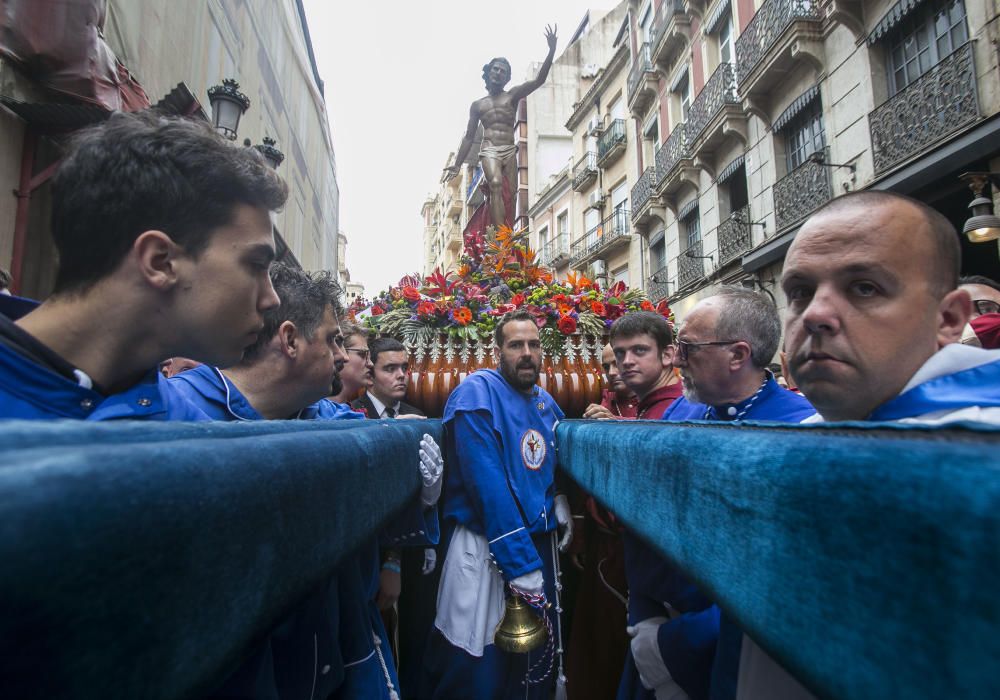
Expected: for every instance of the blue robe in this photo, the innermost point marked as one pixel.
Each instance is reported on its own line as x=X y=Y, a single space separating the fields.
x=31 y=391
x=328 y=647
x=700 y=647
x=500 y=452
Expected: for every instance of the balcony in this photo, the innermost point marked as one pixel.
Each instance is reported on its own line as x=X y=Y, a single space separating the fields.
x=602 y=239
x=556 y=251
x=642 y=82
x=801 y=192
x=716 y=113
x=939 y=103
x=611 y=144
x=453 y=237
x=782 y=33
x=690 y=270
x=642 y=196
x=453 y=204
x=657 y=287
x=734 y=236
x=671 y=157
x=671 y=32
x=585 y=171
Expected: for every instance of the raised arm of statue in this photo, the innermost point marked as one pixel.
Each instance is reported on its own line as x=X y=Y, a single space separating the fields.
x=463 y=150
x=525 y=89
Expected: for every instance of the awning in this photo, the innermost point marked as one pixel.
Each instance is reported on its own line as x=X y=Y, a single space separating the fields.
x=893 y=17
x=800 y=103
x=717 y=14
x=687 y=209
x=54 y=115
x=730 y=170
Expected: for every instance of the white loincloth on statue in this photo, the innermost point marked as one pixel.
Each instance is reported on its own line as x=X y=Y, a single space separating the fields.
x=470 y=601
x=500 y=153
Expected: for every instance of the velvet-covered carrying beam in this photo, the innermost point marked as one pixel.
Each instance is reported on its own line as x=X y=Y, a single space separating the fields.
x=867 y=561
x=143 y=560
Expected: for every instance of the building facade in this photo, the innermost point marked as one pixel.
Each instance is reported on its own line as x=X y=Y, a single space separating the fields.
x=353 y=289
x=174 y=57
x=753 y=114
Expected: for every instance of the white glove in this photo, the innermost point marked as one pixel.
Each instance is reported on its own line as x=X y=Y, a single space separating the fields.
x=565 y=520
x=646 y=653
x=430 y=561
x=431 y=467
x=531 y=582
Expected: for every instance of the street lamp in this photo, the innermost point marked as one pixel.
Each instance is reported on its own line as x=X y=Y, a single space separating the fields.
x=983 y=225
x=228 y=105
x=270 y=152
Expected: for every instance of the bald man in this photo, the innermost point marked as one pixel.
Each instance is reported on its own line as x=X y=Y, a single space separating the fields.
x=871 y=329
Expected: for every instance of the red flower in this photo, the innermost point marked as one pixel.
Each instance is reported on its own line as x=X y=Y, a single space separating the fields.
x=426 y=308
x=559 y=298
x=411 y=294
x=617 y=289
x=598 y=308
x=517 y=300
x=566 y=324
x=647 y=305
x=462 y=315
x=664 y=309
x=377 y=311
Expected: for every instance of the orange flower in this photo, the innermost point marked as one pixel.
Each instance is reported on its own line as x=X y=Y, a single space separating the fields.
x=564 y=309
x=598 y=308
x=426 y=308
x=647 y=306
x=411 y=294
x=462 y=315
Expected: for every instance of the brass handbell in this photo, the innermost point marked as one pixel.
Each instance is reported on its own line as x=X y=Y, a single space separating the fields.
x=520 y=629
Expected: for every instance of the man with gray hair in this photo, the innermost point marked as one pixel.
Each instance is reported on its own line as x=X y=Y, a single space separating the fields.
x=724 y=346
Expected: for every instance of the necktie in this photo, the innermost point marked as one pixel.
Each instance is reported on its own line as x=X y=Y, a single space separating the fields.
x=390 y=412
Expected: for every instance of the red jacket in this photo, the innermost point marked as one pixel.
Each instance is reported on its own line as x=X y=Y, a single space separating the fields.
x=656 y=403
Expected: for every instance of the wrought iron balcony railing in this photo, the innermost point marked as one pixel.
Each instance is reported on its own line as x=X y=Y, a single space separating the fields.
x=640 y=66
x=611 y=144
x=642 y=191
x=801 y=192
x=585 y=170
x=719 y=91
x=608 y=233
x=673 y=150
x=934 y=106
x=734 y=235
x=657 y=287
x=766 y=27
x=665 y=14
x=556 y=250
x=690 y=269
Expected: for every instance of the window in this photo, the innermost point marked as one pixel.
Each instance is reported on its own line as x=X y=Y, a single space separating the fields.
x=804 y=135
x=620 y=275
x=923 y=39
x=543 y=237
x=591 y=218
x=562 y=226
x=658 y=255
x=691 y=229
x=646 y=23
x=726 y=48
x=683 y=92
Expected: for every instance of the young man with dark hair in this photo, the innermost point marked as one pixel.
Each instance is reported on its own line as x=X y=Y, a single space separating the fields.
x=642 y=342
x=164 y=237
x=286 y=375
x=390 y=369
x=353 y=376
x=500 y=509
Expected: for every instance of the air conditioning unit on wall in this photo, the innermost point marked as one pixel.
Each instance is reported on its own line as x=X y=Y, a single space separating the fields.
x=595 y=126
x=595 y=199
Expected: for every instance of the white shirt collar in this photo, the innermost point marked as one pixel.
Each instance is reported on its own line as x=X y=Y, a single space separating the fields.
x=379 y=406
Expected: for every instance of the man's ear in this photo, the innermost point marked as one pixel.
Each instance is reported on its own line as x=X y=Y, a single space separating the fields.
x=288 y=336
x=953 y=313
x=156 y=255
x=741 y=355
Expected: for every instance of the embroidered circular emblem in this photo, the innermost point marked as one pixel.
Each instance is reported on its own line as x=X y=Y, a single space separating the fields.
x=533 y=449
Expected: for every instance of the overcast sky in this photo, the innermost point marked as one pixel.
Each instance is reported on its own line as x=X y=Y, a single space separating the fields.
x=400 y=77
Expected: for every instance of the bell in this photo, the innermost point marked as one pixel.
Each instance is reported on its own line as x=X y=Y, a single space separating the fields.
x=520 y=630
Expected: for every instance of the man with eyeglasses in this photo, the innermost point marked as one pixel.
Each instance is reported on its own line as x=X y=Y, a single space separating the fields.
x=353 y=377
x=681 y=645
x=335 y=640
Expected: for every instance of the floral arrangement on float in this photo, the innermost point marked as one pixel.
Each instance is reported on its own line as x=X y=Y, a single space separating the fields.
x=499 y=273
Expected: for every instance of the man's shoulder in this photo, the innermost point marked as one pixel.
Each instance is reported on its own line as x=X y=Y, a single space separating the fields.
x=682 y=409
x=365 y=406
x=410 y=409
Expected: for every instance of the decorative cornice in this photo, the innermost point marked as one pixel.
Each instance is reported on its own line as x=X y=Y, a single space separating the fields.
x=607 y=74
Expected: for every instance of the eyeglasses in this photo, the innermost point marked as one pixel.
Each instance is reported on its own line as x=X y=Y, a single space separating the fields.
x=684 y=347
x=985 y=306
x=362 y=352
